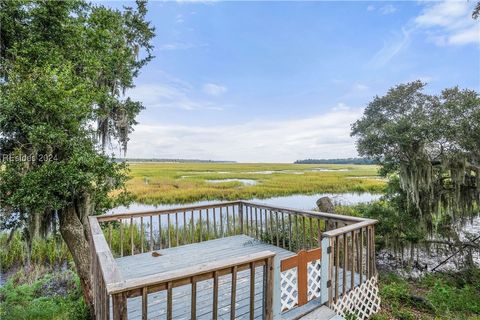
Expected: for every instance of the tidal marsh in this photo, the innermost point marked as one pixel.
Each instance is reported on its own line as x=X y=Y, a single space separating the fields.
x=166 y=183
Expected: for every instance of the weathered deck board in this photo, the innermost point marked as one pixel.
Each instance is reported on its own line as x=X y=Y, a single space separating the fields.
x=183 y=256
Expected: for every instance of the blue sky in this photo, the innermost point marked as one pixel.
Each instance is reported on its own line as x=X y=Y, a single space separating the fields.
x=280 y=81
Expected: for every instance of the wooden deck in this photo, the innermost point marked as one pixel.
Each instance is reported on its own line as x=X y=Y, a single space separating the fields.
x=191 y=278
x=141 y=265
x=323 y=313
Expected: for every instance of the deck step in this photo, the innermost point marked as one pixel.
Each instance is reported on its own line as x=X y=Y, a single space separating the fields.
x=322 y=313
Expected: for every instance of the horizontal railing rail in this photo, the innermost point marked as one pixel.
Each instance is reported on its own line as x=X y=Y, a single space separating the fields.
x=146 y=213
x=308 y=213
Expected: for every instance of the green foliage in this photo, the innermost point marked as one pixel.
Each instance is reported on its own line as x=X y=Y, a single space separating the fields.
x=439 y=296
x=476 y=11
x=398 y=226
x=449 y=292
x=65 y=69
x=65 y=66
x=350 y=316
x=53 y=296
x=431 y=141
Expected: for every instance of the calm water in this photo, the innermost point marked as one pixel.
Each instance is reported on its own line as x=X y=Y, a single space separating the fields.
x=303 y=202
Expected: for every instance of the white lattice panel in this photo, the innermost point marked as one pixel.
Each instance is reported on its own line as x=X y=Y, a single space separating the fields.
x=363 y=301
x=288 y=283
x=314 y=271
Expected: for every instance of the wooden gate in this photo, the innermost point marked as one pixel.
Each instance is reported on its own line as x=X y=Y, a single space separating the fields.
x=300 y=278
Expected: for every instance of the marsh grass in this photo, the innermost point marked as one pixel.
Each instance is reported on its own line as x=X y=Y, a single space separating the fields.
x=49 y=251
x=156 y=183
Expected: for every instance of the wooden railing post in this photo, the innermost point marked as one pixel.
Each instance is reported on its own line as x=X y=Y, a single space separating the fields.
x=374 y=258
x=269 y=289
x=119 y=306
x=330 y=271
x=277 y=289
x=240 y=216
x=325 y=278
x=302 y=278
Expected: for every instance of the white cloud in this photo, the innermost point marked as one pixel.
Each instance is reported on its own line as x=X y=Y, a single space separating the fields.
x=443 y=14
x=465 y=36
x=388 y=9
x=360 y=87
x=178 y=46
x=443 y=23
x=449 y=23
x=175 y=95
x=213 y=89
x=341 y=107
x=391 y=48
x=179 y=18
x=322 y=136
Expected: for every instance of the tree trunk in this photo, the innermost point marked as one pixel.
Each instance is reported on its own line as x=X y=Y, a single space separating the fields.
x=76 y=238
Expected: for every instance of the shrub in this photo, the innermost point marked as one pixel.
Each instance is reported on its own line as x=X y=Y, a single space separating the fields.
x=53 y=296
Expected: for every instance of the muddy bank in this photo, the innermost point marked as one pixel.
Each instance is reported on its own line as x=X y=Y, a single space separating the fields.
x=435 y=257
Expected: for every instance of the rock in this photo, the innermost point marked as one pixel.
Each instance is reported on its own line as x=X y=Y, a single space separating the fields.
x=325 y=204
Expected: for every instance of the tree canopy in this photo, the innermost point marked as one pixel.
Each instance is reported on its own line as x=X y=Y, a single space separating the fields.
x=431 y=141
x=65 y=67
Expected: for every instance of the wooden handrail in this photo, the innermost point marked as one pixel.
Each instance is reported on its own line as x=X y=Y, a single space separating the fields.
x=111 y=273
x=187 y=273
x=138 y=214
x=349 y=228
x=306 y=213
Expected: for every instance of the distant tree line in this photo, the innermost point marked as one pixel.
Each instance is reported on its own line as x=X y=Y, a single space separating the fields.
x=170 y=160
x=337 y=161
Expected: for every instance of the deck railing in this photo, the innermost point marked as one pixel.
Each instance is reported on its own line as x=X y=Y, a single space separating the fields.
x=191 y=276
x=345 y=246
x=351 y=257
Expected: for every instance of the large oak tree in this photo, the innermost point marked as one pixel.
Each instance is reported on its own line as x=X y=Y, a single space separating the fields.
x=432 y=142
x=65 y=66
